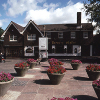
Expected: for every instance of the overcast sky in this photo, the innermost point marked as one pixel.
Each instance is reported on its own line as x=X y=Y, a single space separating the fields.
x=40 y=11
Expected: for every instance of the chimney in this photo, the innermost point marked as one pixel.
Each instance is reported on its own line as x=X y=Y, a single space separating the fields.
x=78 y=18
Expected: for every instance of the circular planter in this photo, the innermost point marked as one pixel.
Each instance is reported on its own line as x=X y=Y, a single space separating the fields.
x=20 y=71
x=97 y=91
x=75 y=66
x=55 y=78
x=93 y=75
x=4 y=86
x=32 y=64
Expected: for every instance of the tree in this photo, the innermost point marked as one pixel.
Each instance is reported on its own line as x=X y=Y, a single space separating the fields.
x=1 y=31
x=93 y=10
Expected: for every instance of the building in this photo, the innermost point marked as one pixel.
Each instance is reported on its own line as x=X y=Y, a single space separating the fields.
x=63 y=39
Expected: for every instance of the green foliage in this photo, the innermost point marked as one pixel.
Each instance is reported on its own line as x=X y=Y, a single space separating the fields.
x=93 y=10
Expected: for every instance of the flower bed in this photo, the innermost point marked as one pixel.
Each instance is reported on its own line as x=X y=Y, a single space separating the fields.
x=56 y=69
x=4 y=77
x=31 y=60
x=93 y=67
x=22 y=65
x=76 y=61
x=52 y=60
x=96 y=83
x=54 y=63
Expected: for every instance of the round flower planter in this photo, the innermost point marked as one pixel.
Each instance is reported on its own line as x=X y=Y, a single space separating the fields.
x=32 y=64
x=4 y=86
x=97 y=91
x=75 y=66
x=55 y=78
x=20 y=71
x=93 y=75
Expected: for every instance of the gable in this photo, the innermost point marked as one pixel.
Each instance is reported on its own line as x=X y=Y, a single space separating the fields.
x=31 y=26
x=9 y=28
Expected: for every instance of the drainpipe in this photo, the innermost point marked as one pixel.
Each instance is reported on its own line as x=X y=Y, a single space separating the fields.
x=44 y=30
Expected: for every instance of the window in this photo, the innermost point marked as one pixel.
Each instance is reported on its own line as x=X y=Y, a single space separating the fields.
x=49 y=35
x=73 y=35
x=85 y=35
x=13 y=38
x=31 y=37
x=60 y=35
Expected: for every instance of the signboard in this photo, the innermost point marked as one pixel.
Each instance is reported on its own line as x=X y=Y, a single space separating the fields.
x=43 y=43
x=29 y=51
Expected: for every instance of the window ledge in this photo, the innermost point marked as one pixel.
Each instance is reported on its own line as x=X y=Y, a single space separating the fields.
x=13 y=40
x=31 y=40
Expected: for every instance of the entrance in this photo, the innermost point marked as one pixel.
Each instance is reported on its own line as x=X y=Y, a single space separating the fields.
x=36 y=52
x=14 y=52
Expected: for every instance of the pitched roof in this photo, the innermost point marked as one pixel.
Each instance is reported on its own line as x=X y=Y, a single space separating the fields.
x=19 y=27
x=51 y=27
x=65 y=27
x=35 y=25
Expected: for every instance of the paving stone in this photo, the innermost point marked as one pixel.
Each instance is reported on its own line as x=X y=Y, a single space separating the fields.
x=35 y=85
x=11 y=95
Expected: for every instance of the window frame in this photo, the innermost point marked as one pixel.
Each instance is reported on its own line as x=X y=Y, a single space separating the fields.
x=60 y=35
x=48 y=34
x=31 y=37
x=85 y=33
x=72 y=36
x=13 y=37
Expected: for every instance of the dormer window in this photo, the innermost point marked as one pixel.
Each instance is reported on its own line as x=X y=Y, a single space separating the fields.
x=31 y=37
x=13 y=37
x=48 y=34
x=73 y=35
x=60 y=35
x=85 y=35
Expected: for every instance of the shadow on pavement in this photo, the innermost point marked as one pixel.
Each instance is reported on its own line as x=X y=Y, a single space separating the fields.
x=68 y=69
x=81 y=78
x=46 y=66
x=44 y=72
x=43 y=82
x=84 y=97
x=14 y=74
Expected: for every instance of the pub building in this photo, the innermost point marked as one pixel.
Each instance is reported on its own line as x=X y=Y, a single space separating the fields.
x=64 y=40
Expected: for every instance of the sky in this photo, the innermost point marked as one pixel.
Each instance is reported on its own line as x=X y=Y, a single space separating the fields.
x=40 y=11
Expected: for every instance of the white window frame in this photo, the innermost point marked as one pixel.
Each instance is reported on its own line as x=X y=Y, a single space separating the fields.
x=73 y=35
x=32 y=37
x=84 y=35
x=60 y=35
x=13 y=37
x=48 y=34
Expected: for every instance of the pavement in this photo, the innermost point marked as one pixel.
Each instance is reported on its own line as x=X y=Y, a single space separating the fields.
x=35 y=85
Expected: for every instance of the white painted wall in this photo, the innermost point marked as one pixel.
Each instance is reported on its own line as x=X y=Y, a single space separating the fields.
x=28 y=54
x=78 y=50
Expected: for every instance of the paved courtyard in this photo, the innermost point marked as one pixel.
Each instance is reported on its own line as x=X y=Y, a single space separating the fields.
x=35 y=85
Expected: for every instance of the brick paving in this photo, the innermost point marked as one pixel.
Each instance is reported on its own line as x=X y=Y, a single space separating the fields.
x=35 y=85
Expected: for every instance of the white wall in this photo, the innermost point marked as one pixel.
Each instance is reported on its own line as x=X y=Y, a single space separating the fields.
x=78 y=50
x=28 y=54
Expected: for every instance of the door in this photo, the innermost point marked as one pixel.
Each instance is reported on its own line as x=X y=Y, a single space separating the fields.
x=36 y=52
